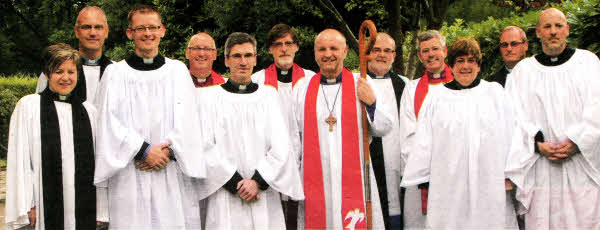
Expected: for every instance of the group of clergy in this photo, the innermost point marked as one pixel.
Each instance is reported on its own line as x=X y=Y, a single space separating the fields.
x=148 y=143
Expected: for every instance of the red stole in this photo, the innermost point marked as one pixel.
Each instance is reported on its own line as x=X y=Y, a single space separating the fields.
x=271 y=75
x=423 y=86
x=213 y=79
x=352 y=188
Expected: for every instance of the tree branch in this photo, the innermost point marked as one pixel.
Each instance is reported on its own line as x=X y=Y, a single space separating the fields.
x=328 y=7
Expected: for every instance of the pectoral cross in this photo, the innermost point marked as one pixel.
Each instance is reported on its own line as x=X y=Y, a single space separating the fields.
x=331 y=121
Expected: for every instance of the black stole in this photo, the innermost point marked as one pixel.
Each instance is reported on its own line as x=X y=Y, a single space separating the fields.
x=85 y=191
x=81 y=88
x=377 y=160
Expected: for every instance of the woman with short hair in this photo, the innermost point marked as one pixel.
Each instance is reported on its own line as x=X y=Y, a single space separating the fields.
x=50 y=168
x=463 y=137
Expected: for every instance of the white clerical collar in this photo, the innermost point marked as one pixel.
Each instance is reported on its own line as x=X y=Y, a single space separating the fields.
x=201 y=80
x=284 y=72
x=436 y=75
x=331 y=81
x=379 y=77
x=242 y=87
x=91 y=62
x=508 y=69
x=148 y=60
x=554 y=59
x=63 y=97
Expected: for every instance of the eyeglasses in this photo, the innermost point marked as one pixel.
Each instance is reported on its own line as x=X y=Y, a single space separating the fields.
x=386 y=50
x=141 y=29
x=198 y=49
x=238 y=56
x=280 y=44
x=89 y=27
x=512 y=44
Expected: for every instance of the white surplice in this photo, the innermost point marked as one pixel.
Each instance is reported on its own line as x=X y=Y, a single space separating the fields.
x=92 y=81
x=460 y=148
x=331 y=147
x=413 y=217
x=24 y=167
x=156 y=107
x=563 y=102
x=391 y=146
x=250 y=135
x=286 y=97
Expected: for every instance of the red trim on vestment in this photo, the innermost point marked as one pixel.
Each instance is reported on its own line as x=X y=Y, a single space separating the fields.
x=213 y=79
x=352 y=189
x=271 y=75
x=423 y=86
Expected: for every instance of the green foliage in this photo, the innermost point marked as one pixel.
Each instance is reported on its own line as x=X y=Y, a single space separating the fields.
x=487 y=32
x=12 y=89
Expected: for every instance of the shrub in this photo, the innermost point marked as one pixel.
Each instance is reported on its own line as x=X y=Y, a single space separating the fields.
x=12 y=89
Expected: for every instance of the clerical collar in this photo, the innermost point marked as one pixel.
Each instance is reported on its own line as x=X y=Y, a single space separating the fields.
x=563 y=57
x=200 y=80
x=284 y=76
x=55 y=96
x=385 y=76
x=91 y=62
x=327 y=81
x=144 y=64
x=232 y=87
x=508 y=69
x=454 y=85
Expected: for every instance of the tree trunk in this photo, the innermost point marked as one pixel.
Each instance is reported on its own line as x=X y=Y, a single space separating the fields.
x=397 y=33
x=327 y=7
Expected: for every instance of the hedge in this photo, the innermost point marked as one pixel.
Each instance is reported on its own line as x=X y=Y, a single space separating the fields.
x=12 y=89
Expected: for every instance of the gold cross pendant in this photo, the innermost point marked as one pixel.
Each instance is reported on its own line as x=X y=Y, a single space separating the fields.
x=331 y=121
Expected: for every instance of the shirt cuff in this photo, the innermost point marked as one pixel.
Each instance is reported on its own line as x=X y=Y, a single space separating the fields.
x=539 y=137
x=143 y=152
x=371 y=110
x=172 y=154
x=231 y=185
x=262 y=184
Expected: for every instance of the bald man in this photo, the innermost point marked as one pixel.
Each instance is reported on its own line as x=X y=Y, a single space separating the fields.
x=201 y=52
x=513 y=47
x=385 y=151
x=328 y=109
x=554 y=157
x=91 y=29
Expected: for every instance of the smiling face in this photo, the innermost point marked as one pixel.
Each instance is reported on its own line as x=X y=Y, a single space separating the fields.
x=465 y=69
x=432 y=55
x=146 y=31
x=201 y=52
x=241 y=61
x=553 y=30
x=283 y=50
x=512 y=47
x=382 y=55
x=63 y=80
x=91 y=30
x=330 y=52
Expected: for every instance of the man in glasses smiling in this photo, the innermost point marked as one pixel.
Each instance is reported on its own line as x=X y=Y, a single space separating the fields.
x=91 y=29
x=201 y=52
x=513 y=47
x=146 y=150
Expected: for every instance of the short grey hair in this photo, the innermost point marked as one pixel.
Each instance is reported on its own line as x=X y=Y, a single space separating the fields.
x=518 y=29
x=429 y=34
x=237 y=38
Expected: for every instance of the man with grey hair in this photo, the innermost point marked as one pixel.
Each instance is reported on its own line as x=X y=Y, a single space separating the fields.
x=513 y=47
x=431 y=51
x=385 y=151
x=251 y=139
x=201 y=52
x=91 y=28
x=553 y=159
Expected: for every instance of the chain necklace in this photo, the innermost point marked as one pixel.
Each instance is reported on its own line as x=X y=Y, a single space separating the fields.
x=331 y=120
